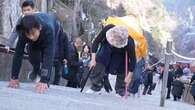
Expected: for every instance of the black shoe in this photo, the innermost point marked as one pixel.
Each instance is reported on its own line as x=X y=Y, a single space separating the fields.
x=149 y=93
x=168 y=97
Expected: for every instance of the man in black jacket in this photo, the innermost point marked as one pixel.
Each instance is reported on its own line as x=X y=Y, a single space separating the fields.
x=40 y=32
x=148 y=80
x=179 y=70
x=61 y=56
x=74 y=63
x=170 y=80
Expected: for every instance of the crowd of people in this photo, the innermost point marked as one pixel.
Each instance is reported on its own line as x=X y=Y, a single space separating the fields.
x=179 y=74
x=41 y=35
x=112 y=52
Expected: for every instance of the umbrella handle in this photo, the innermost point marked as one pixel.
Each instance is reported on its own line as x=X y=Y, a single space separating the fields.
x=126 y=73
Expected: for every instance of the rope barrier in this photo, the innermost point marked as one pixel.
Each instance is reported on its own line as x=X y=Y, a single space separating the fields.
x=180 y=56
x=166 y=53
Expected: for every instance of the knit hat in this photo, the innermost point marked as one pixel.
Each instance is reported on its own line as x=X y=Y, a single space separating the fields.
x=117 y=36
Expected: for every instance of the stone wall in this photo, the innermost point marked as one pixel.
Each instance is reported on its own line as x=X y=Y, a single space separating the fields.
x=9 y=14
x=6 y=64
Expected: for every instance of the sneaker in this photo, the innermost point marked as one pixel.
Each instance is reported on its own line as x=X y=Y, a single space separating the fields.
x=90 y=91
x=119 y=96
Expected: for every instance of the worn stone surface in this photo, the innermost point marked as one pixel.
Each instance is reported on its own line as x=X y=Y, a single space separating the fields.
x=6 y=64
x=62 y=98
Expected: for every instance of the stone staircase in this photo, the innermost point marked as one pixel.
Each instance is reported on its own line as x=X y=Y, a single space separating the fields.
x=63 y=98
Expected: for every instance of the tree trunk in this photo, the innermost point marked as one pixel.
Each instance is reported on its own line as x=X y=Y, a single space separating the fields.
x=74 y=19
x=44 y=6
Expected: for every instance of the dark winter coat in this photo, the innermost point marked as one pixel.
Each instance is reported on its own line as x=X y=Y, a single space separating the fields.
x=193 y=85
x=161 y=75
x=178 y=88
x=48 y=43
x=170 y=79
x=113 y=58
x=148 y=77
x=179 y=72
x=62 y=47
x=73 y=63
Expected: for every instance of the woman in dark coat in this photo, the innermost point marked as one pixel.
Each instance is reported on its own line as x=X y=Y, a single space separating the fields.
x=148 y=81
x=170 y=80
x=178 y=88
x=85 y=57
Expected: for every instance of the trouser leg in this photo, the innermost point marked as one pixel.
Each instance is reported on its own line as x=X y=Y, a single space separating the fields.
x=35 y=58
x=58 y=70
x=97 y=77
x=175 y=98
x=120 y=84
x=150 y=89
x=194 y=98
x=145 y=89
x=134 y=86
x=168 y=92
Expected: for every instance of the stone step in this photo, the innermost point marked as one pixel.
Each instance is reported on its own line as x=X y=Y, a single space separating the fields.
x=63 y=98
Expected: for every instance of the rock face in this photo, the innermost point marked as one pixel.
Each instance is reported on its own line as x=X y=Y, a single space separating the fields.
x=153 y=17
x=9 y=12
x=6 y=64
x=184 y=34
